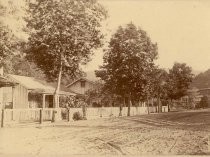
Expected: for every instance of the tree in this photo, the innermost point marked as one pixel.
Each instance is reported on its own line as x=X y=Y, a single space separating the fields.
x=63 y=34
x=179 y=79
x=202 y=80
x=7 y=42
x=128 y=61
x=10 y=42
x=158 y=85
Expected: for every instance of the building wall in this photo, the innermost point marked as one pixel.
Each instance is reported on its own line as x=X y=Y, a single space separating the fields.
x=7 y=97
x=20 y=97
x=206 y=92
x=77 y=88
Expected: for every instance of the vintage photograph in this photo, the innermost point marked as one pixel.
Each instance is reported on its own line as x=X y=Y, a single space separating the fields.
x=104 y=77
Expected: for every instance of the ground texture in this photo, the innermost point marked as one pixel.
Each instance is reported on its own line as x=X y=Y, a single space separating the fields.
x=174 y=133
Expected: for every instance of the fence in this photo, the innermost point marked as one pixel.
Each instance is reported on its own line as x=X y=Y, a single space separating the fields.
x=24 y=115
x=52 y=114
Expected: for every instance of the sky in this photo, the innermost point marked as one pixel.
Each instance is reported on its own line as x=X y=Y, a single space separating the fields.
x=181 y=28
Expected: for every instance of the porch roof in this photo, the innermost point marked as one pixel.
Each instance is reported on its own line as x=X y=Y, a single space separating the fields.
x=5 y=82
x=36 y=86
x=51 y=92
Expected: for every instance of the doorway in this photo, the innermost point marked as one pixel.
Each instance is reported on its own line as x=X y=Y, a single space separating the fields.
x=49 y=101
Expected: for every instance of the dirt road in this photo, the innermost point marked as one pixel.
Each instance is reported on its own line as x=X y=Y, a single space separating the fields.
x=154 y=134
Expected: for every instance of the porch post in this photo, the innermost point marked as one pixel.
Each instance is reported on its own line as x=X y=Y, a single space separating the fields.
x=2 y=118
x=43 y=101
x=58 y=101
x=13 y=102
x=13 y=97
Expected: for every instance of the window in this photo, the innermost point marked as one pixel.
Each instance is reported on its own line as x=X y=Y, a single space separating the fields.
x=83 y=84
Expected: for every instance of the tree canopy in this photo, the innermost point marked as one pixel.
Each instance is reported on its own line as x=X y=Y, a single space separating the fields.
x=158 y=80
x=63 y=34
x=128 y=62
x=202 y=80
x=179 y=79
x=7 y=40
x=11 y=42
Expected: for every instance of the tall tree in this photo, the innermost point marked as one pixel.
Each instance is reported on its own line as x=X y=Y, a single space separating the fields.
x=128 y=61
x=7 y=41
x=10 y=39
x=158 y=86
x=63 y=35
x=179 y=79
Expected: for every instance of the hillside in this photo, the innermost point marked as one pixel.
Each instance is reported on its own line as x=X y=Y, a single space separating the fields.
x=202 y=80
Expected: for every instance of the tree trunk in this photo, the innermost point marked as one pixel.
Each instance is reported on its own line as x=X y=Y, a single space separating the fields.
x=129 y=106
x=121 y=106
x=84 y=110
x=148 y=105
x=56 y=94
x=120 y=114
x=169 y=104
x=159 y=104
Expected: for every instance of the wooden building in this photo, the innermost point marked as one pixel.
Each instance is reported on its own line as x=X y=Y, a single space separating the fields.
x=81 y=85
x=28 y=92
x=205 y=92
x=6 y=84
x=194 y=96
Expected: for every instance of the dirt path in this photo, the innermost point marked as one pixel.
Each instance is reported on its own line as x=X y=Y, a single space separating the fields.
x=157 y=134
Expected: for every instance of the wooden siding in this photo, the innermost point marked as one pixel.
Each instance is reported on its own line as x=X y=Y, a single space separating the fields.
x=20 y=97
x=7 y=94
x=76 y=87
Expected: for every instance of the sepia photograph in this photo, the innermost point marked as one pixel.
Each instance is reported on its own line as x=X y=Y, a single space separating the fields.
x=104 y=78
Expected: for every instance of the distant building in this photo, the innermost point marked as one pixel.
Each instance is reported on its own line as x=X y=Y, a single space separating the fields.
x=81 y=85
x=205 y=92
x=193 y=97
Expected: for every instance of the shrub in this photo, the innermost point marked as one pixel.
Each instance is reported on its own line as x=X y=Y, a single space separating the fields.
x=77 y=116
x=204 y=102
x=64 y=114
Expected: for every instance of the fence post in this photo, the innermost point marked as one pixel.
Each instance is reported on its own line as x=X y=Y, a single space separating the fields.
x=54 y=116
x=12 y=115
x=41 y=116
x=100 y=111
x=68 y=112
x=2 y=118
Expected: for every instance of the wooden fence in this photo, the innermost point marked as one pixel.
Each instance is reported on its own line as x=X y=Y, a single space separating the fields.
x=24 y=115
x=94 y=113
x=52 y=114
